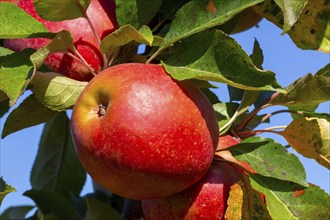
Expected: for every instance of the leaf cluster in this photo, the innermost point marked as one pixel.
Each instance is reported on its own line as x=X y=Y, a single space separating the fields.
x=186 y=38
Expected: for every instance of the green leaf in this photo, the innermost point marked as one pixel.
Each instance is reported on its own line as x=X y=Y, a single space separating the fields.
x=220 y=59
x=15 y=73
x=325 y=71
x=4 y=51
x=60 y=43
x=270 y=159
x=288 y=201
x=310 y=31
x=136 y=12
x=16 y=23
x=56 y=91
x=291 y=11
x=69 y=9
x=5 y=189
x=29 y=113
x=306 y=93
x=4 y=105
x=57 y=168
x=225 y=112
x=199 y=15
x=98 y=210
x=52 y=204
x=125 y=35
x=16 y=212
x=310 y=137
x=257 y=55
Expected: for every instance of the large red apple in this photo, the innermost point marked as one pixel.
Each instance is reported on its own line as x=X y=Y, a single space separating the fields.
x=102 y=16
x=206 y=200
x=141 y=134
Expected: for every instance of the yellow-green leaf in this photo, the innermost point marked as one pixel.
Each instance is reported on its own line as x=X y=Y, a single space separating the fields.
x=245 y=203
x=310 y=31
x=5 y=189
x=310 y=137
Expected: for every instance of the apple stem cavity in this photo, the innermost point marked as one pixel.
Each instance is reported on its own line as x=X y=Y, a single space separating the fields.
x=102 y=110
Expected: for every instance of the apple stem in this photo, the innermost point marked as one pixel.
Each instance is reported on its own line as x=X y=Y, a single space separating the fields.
x=256 y=132
x=84 y=12
x=81 y=60
x=102 y=110
x=266 y=117
x=229 y=122
x=256 y=110
x=153 y=56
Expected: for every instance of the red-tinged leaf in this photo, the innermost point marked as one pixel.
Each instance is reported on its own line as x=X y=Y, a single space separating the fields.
x=245 y=203
x=310 y=137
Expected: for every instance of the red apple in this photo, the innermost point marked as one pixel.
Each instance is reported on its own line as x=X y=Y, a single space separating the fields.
x=140 y=134
x=205 y=200
x=101 y=14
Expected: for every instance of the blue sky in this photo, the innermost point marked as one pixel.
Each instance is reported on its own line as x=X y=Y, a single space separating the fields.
x=18 y=150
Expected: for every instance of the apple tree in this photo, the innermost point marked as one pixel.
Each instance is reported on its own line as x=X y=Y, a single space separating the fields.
x=53 y=50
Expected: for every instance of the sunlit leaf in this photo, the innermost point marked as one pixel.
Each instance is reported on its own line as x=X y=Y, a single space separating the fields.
x=29 y=113
x=69 y=9
x=310 y=137
x=15 y=73
x=56 y=91
x=60 y=43
x=306 y=93
x=98 y=210
x=214 y=59
x=16 y=23
x=52 y=204
x=289 y=201
x=125 y=35
x=245 y=203
x=136 y=12
x=291 y=11
x=56 y=167
x=270 y=159
x=15 y=212
x=198 y=15
x=310 y=31
x=5 y=189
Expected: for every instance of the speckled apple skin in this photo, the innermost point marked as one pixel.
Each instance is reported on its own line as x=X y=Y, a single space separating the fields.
x=157 y=137
x=206 y=200
x=102 y=15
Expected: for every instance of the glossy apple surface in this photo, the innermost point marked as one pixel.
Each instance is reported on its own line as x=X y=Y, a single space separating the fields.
x=140 y=134
x=206 y=200
x=102 y=16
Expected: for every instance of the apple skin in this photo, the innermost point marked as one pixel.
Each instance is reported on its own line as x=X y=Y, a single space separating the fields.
x=154 y=137
x=101 y=14
x=206 y=200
